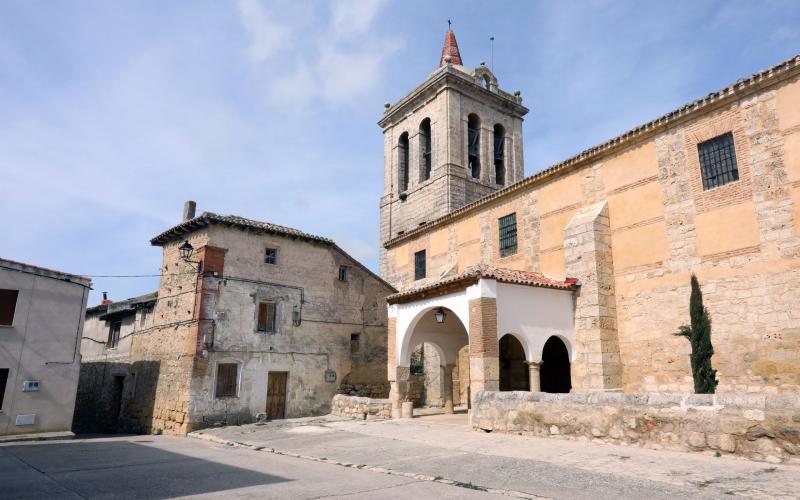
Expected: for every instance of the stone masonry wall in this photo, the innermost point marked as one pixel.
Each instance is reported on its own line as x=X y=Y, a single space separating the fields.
x=759 y=427
x=361 y=408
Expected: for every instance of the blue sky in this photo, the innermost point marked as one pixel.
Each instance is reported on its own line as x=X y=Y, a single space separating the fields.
x=114 y=113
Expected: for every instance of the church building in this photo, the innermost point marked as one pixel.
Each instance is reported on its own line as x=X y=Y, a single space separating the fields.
x=575 y=279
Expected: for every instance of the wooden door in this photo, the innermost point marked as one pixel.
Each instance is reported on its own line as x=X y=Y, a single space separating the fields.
x=276 y=394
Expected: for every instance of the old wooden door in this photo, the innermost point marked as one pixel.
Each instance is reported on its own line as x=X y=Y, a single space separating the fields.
x=276 y=394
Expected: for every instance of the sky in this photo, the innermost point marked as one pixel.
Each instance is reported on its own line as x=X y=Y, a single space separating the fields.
x=112 y=114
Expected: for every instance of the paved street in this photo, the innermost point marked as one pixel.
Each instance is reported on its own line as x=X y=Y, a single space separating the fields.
x=156 y=467
x=328 y=457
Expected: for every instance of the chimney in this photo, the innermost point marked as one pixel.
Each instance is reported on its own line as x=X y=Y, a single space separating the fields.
x=105 y=300
x=188 y=210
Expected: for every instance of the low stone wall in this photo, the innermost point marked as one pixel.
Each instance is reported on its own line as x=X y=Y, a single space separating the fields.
x=371 y=390
x=362 y=408
x=760 y=427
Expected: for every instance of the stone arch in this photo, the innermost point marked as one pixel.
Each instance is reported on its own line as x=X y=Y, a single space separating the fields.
x=486 y=77
x=513 y=365
x=554 y=373
x=448 y=338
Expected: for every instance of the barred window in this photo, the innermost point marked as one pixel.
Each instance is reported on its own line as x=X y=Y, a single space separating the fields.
x=227 y=373
x=508 y=235
x=266 y=317
x=113 y=334
x=270 y=256
x=419 y=265
x=718 y=161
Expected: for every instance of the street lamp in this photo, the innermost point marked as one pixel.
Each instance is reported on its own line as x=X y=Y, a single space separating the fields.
x=439 y=315
x=185 y=250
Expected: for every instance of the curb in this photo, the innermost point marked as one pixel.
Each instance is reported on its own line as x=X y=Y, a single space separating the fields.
x=381 y=470
x=44 y=436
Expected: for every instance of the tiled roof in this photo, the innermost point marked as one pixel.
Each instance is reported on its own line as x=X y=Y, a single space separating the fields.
x=450 y=49
x=732 y=91
x=208 y=218
x=130 y=303
x=474 y=273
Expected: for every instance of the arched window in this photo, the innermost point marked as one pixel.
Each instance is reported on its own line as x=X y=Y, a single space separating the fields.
x=425 y=150
x=402 y=160
x=474 y=145
x=499 y=154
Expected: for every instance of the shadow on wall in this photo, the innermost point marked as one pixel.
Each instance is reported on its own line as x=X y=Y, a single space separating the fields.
x=98 y=403
x=92 y=470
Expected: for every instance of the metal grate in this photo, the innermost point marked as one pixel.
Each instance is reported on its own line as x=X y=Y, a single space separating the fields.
x=508 y=235
x=419 y=265
x=718 y=161
x=226 y=380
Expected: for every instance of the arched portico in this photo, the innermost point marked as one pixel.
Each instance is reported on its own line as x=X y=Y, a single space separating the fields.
x=472 y=307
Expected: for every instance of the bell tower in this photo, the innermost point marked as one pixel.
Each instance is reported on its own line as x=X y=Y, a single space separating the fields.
x=452 y=140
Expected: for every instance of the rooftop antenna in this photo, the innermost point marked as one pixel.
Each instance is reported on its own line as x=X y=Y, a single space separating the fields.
x=491 y=41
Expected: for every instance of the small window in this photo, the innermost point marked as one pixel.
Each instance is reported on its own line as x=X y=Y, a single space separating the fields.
x=718 y=161
x=8 y=303
x=143 y=319
x=508 y=235
x=3 y=381
x=419 y=265
x=355 y=343
x=402 y=160
x=271 y=256
x=113 y=334
x=227 y=373
x=344 y=273
x=266 y=317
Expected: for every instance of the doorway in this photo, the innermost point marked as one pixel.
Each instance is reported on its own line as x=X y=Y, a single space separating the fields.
x=555 y=370
x=513 y=370
x=276 y=394
x=116 y=403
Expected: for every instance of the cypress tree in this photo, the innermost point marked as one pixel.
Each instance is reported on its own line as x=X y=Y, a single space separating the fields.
x=699 y=335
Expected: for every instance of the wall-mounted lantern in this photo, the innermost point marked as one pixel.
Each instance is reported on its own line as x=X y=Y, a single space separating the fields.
x=439 y=315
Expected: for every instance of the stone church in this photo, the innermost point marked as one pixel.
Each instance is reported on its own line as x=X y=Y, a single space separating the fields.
x=574 y=279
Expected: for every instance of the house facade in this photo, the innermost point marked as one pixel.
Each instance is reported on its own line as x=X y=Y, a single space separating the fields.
x=251 y=321
x=575 y=278
x=41 y=317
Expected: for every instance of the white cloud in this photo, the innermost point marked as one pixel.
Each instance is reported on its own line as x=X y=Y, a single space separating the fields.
x=267 y=34
x=352 y=18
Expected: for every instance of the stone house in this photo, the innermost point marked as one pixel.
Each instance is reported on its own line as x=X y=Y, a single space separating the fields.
x=41 y=317
x=251 y=321
x=575 y=278
x=106 y=380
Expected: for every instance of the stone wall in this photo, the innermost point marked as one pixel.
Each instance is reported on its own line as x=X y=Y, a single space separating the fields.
x=760 y=427
x=361 y=408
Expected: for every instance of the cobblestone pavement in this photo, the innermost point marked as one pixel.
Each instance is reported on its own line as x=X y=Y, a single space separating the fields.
x=442 y=449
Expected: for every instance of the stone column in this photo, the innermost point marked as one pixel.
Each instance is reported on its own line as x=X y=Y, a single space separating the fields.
x=587 y=251
x=533 y=376
x=398 y=389
x=484 y=365
x=448 y=388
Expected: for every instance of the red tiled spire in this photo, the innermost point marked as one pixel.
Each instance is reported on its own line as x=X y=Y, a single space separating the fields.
x=450 y=49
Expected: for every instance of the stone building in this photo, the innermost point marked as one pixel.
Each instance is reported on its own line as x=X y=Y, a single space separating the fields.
x=575 y=278
x=41 y=317
x=106 y=379
x=251 y=321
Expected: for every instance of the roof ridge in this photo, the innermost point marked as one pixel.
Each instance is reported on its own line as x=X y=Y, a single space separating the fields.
x=663 y=120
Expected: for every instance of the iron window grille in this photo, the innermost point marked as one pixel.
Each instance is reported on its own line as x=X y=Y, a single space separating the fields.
x=419 y=265
x=113 y=334
x=508 y=235
x=718 y=161
x=271 y=256
x=227 y=373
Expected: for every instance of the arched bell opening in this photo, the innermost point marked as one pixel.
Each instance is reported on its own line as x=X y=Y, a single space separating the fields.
x=554 y=374
x=513 y=370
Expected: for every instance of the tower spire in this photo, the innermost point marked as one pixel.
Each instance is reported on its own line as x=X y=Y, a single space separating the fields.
x=450 y=48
